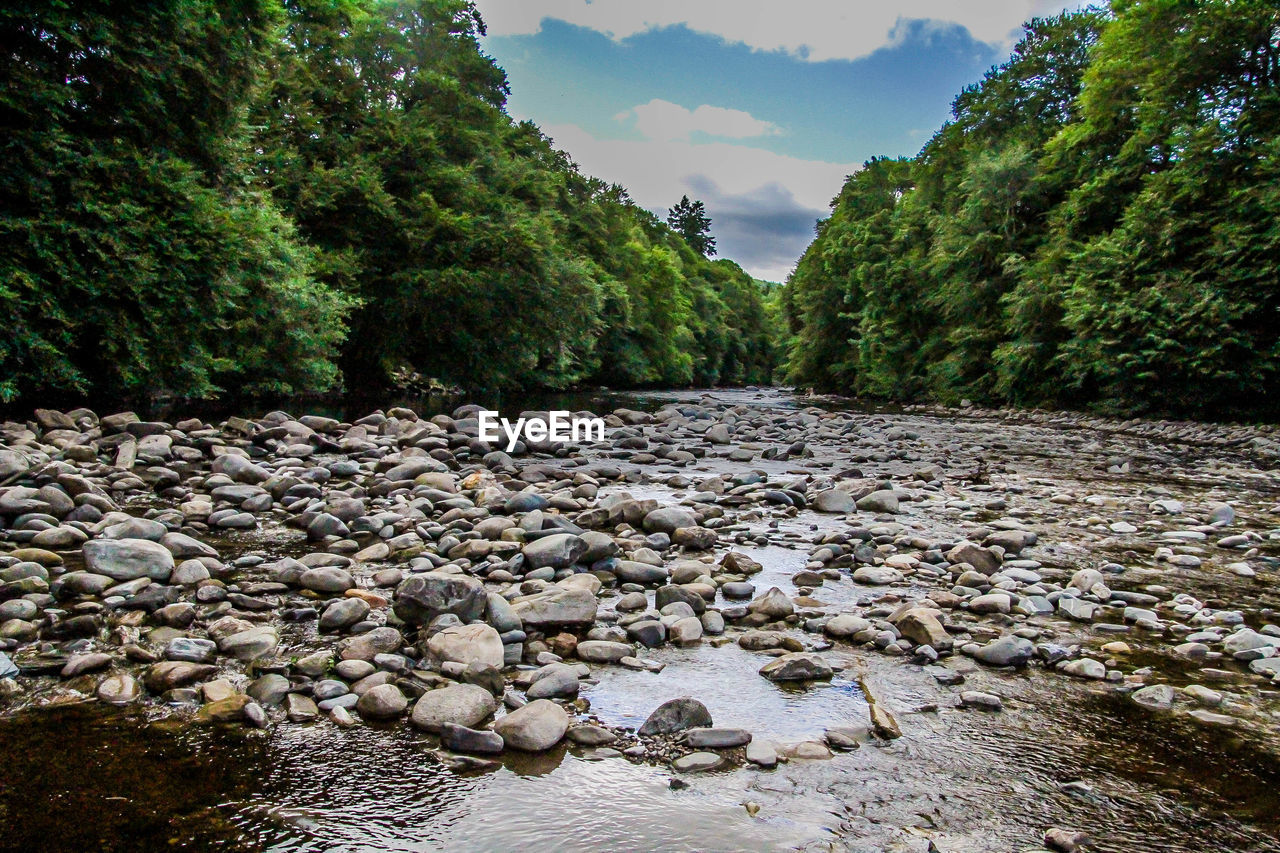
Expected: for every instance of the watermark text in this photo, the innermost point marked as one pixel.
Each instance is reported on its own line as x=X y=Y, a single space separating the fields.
x=559 y=426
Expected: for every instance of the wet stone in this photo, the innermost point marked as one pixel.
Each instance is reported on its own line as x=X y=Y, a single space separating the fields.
x=697 y=762
x=708 y=738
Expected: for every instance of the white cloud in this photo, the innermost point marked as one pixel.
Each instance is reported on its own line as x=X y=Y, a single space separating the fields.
x=762 y=205
x=816 y=30
x=664 y=120
x=657 y=171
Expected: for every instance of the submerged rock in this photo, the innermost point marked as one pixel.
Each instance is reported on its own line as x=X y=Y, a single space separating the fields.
x=797 y=666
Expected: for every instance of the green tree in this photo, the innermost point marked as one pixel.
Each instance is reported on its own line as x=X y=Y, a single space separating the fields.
x=1095 y=227
x=689 y=219
x=205 y=195
x=136 y=253
x=388 y=145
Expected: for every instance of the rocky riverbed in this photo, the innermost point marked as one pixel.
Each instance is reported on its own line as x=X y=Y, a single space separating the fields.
x=743 y=620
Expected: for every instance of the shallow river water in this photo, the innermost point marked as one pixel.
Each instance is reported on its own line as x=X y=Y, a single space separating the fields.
x=1066 y=753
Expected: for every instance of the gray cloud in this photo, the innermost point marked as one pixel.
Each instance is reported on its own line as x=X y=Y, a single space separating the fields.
x=765 y=230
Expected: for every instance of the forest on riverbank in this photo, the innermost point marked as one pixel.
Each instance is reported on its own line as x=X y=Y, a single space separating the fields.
x=284 y=196
x=1097 y=226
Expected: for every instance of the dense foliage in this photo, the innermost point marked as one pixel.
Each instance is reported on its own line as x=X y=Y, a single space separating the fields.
x=1098 y=226
x=133 y=254
x=252 y=194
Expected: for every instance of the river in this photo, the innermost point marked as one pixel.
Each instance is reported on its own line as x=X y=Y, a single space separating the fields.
x=1063 y=752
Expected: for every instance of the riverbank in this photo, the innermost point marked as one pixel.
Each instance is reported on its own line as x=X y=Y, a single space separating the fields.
x=1036 y=606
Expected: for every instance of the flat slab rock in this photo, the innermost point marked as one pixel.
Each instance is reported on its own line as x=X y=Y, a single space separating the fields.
x=717 y=738
x=697 y=762
x=797 y=666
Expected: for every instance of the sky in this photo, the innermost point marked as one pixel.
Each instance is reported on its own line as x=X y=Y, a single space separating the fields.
x=758 y=108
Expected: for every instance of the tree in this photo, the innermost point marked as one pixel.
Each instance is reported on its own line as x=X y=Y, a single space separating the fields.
x=206 y=195
x=1095 y=227
x=388 y=144
x=689 y=219
x=137 y=255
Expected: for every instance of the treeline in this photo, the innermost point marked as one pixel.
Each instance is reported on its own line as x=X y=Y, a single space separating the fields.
x=266 y=196
x=1098 y=226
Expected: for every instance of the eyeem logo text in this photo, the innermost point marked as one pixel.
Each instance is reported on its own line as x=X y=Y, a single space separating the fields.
x=560 y=426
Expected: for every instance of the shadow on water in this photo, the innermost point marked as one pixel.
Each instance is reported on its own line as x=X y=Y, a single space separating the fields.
x=83 y=777
x=88 y=778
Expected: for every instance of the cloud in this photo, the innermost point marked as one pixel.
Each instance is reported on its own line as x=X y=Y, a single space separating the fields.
x=814 y=30
x=765 y=229
x=762 y=205
x=664 y=120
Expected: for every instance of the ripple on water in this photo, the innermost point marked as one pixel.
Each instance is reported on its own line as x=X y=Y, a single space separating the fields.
x=85 y=777
x=367 y=789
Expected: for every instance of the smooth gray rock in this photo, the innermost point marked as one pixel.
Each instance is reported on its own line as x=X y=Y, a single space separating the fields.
x=697 y=762
x=343 y=613
x=420 y=598
x=119 y=689
x=631 y=571
x=554 y=681
x=327 y=579
x=717 y=738
x=367 y=646
x=555 y=608
x=877 y=575
x=668 y=520
x=983 y=560
x=981 y=701
x=477 y=643
x=1006 y=651
x=384 y=702
x=191 y=649
x=603 y=651
x=128 y=559
x=269 y=690
x=136 y=528
x=881 y=500
x=835 y=500
x=774 y=604
x=537 y=726
x=462 y=704
x=797 y=666
x=1158 y=697
x=473 y=741
x=255 y=643
x=558 y=551
x=762 y=754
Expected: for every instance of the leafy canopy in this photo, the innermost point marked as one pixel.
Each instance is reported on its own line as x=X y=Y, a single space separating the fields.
x=1097 y=226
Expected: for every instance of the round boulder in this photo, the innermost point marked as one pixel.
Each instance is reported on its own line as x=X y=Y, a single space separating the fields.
x=128 y=559
x=537 y=726
x=467 y=644
x=461 y=704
